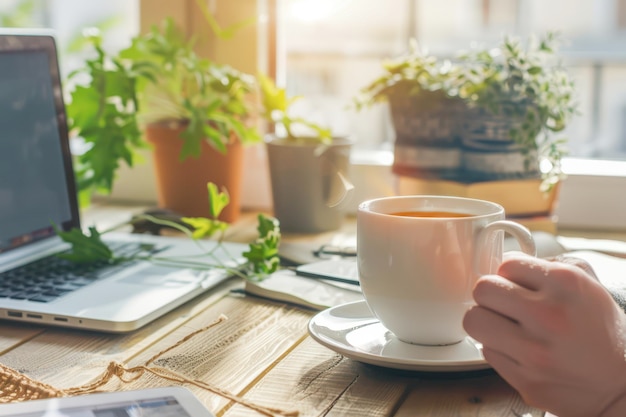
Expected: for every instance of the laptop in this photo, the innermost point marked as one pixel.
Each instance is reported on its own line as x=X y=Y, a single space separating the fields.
x=37 y=191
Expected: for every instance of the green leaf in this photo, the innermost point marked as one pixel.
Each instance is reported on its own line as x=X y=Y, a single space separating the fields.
x=263 y=252
x=273 y=98
x=203 y=227
x=192 y=136
x=276 y=106
x=217 y=200
x=85 y=248
x=158 y=77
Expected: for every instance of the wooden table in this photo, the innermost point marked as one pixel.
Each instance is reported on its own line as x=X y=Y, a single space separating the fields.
x=261 y=354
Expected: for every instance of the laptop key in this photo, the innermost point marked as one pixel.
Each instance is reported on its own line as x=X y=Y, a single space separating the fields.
x=24 y=295
x=67 y=287
x=49 y=278
x=55 y=293
x=43 y=298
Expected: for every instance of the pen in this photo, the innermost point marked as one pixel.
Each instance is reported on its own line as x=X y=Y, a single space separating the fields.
x=315 y=275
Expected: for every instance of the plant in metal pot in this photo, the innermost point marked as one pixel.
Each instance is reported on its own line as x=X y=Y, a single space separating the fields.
x=524 y=98
x=308 y=166
x=491 y=105
x=159 y=85
x=276 y=106
x=421 y=92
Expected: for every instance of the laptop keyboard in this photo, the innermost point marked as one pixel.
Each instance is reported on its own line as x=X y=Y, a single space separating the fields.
x=52 y=277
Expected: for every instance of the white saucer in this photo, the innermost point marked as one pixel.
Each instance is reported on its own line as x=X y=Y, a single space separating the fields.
x=352 y=330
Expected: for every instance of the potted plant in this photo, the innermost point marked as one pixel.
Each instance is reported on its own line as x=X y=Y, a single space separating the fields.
x=510 y=98
x=308 y=166
x=519 y=98
x=481 y=124
x=194 y=113
x=425 y=111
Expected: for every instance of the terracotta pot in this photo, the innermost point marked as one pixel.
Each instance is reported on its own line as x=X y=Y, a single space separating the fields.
x=182 y=184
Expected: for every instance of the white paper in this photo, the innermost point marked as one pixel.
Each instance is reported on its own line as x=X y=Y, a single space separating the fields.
x=285 y=285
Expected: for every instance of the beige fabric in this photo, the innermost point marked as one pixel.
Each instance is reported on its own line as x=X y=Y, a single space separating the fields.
x=15 y=386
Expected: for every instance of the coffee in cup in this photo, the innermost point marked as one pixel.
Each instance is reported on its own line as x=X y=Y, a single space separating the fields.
x=419 y=257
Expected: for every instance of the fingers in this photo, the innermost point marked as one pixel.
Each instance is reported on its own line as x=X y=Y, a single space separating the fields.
x=492 y=329
x=577 y=262
x=539 y=322
x=525 y=270
x=563 y=258
x=531 y=292
x=537 y=274
x=507 y=347
x=508 y=368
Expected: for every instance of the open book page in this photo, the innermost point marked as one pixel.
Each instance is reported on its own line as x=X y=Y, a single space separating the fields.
x=285 y=285
x=608 y=246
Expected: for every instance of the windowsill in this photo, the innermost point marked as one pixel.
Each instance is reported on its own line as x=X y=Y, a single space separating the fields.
x=594 y=167
x=593 y=197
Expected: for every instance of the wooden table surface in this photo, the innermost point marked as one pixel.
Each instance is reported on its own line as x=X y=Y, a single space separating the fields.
x=259 y=354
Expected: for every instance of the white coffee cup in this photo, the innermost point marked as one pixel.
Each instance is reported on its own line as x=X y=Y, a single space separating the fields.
x=417 y=273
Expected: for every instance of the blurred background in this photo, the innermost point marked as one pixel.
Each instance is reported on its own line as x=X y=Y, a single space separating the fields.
x=329 y=49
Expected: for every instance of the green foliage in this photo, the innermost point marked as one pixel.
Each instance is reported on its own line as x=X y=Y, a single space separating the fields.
x=80 y=41
x=217 y=200
x=409 y=74
x=526 y=83
x=184 y=86
x=262 y=255
x=204 y=227
x=276 y=107
x=523 y=82
x=86 y=247
x=21 y=15
x=158 y=78
x=104 y=114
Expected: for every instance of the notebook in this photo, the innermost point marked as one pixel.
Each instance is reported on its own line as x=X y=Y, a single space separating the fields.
x=37 y=191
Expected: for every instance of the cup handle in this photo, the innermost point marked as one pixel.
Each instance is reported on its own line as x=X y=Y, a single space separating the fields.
x=519 y=232
x=340 y=190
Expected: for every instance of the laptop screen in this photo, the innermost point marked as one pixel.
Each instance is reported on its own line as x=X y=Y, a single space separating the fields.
x=36 y=183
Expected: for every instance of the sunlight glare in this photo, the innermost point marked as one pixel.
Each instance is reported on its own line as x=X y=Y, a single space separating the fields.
x=315 y=10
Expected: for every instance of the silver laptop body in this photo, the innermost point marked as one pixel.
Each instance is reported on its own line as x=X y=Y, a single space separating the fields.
x=37 y=190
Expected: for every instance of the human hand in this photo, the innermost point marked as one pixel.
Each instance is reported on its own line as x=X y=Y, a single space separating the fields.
x=554 y=333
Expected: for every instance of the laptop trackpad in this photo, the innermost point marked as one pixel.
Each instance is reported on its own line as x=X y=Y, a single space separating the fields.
x=164 y=276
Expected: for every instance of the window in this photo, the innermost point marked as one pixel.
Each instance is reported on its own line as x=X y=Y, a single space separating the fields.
x=621 y=15
x=117 y=18
x=328 y=49
x=334 y=47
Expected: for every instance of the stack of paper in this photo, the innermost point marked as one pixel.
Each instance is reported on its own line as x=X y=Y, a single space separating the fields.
x=317 y=294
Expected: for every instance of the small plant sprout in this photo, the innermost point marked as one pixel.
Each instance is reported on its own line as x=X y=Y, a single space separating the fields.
x=262 y=255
